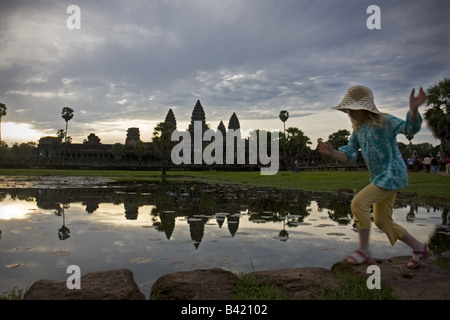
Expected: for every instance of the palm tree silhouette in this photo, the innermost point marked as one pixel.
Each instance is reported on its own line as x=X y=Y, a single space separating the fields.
x=437 y=115
x=284 y=115
x=67 y=115
x=2 y=113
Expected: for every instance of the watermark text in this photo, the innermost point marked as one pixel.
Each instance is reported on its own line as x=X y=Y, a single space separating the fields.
x=374 y=21
x=373 y=281
x=74 y=280
x=73 y=22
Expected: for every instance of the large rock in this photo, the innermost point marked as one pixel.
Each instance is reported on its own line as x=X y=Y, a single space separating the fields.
x=299 y=283
x=103 y=285
x=209 y=284
x=429 y=281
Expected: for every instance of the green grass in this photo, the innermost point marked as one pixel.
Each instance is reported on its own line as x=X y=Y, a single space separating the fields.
x=429 y=187
x=350 y=286
x=248 y=288
x=13 y=294
x=354 y=287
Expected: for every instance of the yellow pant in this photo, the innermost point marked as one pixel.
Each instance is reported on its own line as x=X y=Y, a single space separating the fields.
x=382 y=201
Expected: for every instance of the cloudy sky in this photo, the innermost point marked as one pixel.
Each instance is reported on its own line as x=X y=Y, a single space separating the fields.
x=131 y=61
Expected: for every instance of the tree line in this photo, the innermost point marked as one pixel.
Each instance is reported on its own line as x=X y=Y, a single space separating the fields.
x=293 y=141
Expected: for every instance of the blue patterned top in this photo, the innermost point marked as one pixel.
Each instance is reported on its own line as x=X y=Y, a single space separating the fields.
x=379 y=149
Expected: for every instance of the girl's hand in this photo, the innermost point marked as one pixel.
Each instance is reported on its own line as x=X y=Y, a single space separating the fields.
x=325 y=148
x=415 y=102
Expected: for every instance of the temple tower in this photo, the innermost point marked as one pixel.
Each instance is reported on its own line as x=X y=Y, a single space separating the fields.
x=221 y=128
x=198 y=114
x=234 y=122
x=133 y=136
x=170 y=118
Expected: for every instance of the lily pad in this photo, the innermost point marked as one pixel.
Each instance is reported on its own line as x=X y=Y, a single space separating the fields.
x=259 y=221
x=154 y=239
x=174 y=262
x=22 y=249
x=200 y=265
x=142 y=260
x=57 y=253
x=98 y=228
x=339 y=234
x=13 y=265
x=322 y=225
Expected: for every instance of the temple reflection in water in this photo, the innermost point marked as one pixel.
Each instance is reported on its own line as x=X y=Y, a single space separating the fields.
x=196 y=203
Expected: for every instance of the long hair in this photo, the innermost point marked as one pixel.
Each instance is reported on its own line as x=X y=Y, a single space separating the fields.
x=372 y=119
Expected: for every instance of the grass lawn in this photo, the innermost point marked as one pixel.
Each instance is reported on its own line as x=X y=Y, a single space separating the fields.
x=427 y=186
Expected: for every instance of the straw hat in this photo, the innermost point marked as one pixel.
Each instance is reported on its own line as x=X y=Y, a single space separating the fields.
x=358 y=98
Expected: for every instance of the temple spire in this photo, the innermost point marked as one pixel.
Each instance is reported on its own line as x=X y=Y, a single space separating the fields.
x=170 y=118
x=221 y=128
x=198 y=114
x=234 y=122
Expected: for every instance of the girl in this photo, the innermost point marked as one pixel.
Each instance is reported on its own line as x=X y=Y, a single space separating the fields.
x=374 y=133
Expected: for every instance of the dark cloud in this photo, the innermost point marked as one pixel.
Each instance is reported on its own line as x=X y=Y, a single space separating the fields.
x=135 y=60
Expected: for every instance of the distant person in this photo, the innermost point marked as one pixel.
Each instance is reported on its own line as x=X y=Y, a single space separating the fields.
x=439 y=159
x=410 y=162
x=375 y=134
x=434 y=165
x=427 y=164
x=447 y=165
x=295 y=167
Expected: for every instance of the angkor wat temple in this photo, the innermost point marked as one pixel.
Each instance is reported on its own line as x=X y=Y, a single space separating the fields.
x=134 y=153
x=51 y=151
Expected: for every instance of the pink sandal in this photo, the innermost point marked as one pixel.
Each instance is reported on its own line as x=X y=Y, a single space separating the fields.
x=364 y=258
x=423 y=255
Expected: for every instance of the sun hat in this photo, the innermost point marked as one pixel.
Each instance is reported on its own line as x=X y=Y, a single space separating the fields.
x=358 y=98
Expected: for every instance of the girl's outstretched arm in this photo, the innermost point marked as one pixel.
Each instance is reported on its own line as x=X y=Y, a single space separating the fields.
x=327 y=149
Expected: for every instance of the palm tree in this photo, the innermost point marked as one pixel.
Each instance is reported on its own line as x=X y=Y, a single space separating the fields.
x=163 y=143
x=2 y=113
x=438 y=117
x=67 y=115
x=284 y=115
x=63 y=232
x=297 y=142
x=60 y=134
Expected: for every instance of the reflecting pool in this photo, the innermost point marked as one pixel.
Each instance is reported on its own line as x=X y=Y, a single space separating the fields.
x=159 y=228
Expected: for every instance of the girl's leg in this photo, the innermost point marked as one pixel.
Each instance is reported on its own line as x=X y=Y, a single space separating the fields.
x=361 y=205
x=383 y=220
x=415 y=244
x=382 y=213
x=382 y=217
x=364 y=240
x=420 y=250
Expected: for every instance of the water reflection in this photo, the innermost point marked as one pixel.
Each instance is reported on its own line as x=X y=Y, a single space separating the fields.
x=178 y=226
x=199 y=204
